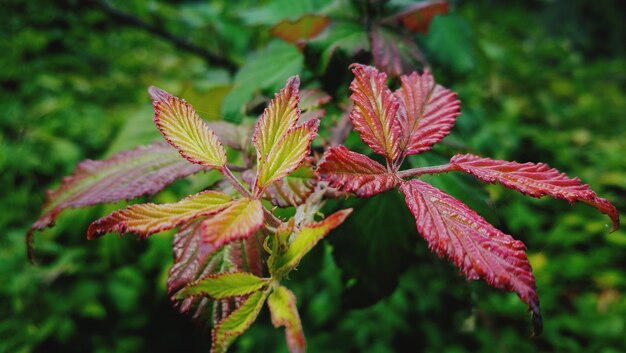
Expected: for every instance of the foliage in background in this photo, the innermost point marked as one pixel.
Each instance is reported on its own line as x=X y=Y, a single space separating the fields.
x=527 y=95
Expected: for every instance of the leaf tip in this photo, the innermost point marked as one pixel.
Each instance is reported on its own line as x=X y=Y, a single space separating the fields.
x=157 y=94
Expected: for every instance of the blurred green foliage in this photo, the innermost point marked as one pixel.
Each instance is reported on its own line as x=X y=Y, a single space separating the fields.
x=538 y=81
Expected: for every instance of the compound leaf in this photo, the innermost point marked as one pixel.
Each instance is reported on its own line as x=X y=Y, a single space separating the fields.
x=242 y=218
x=185 y=130
x=224 y=285
x=282 y=304
x=427 y=112
x=149 y=218
x=455 y=231
x=374 y=110
x=535 y=180
x=355 y=173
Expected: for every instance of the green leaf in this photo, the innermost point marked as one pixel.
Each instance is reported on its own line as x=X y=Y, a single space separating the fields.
x=303 y=241
x=224 y=285
x=282 y=304
x=347 y=36
x=268 y=68
x=236 y=323
x=449 y=41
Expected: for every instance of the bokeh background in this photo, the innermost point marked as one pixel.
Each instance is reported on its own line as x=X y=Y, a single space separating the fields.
x=539 y=81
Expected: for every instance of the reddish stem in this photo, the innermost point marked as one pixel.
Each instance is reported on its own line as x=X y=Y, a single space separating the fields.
x=425 y=170
x=235 y=182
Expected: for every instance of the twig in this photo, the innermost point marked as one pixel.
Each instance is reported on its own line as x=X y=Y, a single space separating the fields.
x=425 y=170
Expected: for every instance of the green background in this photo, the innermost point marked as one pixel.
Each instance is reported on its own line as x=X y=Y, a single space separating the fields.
x=538 y=80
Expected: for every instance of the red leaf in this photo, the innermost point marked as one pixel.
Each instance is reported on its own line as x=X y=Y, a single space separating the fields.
x=455 y=231
x=300 y=30
x=195 y=259
x=354 y=173
x=374 y=110
x=395 y=54
x=535 y=180
x=148 y=218
x=418 y=17
x=427 y=112
x=124 y=176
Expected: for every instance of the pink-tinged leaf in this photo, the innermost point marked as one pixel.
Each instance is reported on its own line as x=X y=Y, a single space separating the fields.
x=281 y=145
x=282 y=304
x=281 y=114
x=232 y=135
x=355 y=173
x=150 y=218
x=239 y=221
x=535 y=180
x=455 y=231
x=417 y=17
x=395 y=54
x=194 y=259
x=185 y=130
x=287 y=155
x=124 y=176
x=300 y=30
x=374 y=110
x=427 y=112
x=280 y=263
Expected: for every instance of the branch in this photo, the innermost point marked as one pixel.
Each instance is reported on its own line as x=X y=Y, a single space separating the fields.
x=425 y=170
x=181 y=43
x=235 y=182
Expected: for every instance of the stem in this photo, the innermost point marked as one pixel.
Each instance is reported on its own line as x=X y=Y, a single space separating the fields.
x=236 y=168
x=425 y=170
x=269 y=216
x=235 y=182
